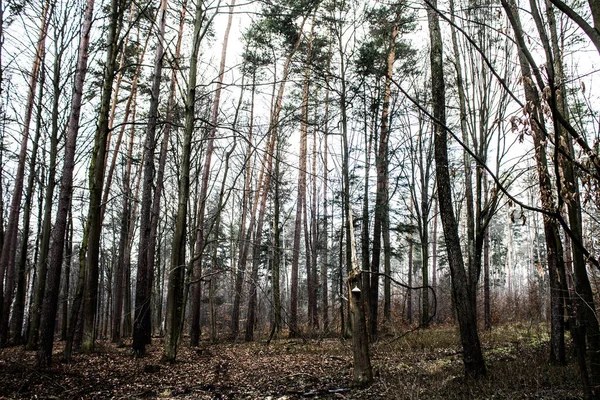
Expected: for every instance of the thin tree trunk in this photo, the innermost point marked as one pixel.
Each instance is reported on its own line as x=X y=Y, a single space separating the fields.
x=276 y=246
x=121 y=280
x=472 y=354
x=434 y=248
x=244 y=237
x=195 y=311
x=67 y=280
x=381 y=200
x=142 y=328
x=301 y=202
x=50 y=303
x=325 y=243
x=19 y=305
x=314 y=231
x=409 y=306
x=469 y=199
x=9 y=246
x=96 y=178
x=115 y=101
x=175 y=295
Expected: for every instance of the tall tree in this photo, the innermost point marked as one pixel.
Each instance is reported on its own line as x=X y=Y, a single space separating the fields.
x=9 y=245
x=96 y=177
x=19 y=304
x=143 y=292
x=293 y=35
x=124 y=251
x=200 y=234
x=50 y=303
x=472 y=354
x=301 y=200
x=175 y=295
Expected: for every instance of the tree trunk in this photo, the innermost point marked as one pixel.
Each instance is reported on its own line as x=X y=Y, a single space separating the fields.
x=50 y=303
x=195 y=311
x=244 y=235
x=487 y=306
x=314 y=211
x=362 y=372
x=175 y=295
x=66 y=284
x=96 y=178
x=276 y=247
x=434 y=248
x=160 y=175
x=9 y=245
x=301 y=201
x=19 y=305
x=142 y=328
x=121 y=280
x=553 y=244
x=409 y=306
x=381 y=200
x=472 y=355
x=325 y=243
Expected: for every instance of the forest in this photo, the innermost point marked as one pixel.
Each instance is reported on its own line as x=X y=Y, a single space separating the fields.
x=287 y=199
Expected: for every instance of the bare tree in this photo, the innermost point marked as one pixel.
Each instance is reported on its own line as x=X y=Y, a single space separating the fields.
x=472 y=354
x=50 y=304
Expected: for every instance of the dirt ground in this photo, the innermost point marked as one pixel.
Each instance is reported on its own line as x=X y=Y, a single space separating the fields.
x=424 y=364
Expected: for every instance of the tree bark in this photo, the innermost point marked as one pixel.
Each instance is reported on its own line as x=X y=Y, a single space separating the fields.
x=472 y=354
x=50 y=303
x=142 y=327
x=381 y=201
x=9 y=245
x=175 y=295
x=96 y=178
x=301 y=203
x=121 y=281
x=160 y=175
x=195 y=311
x=325 y=243
x=19 y=304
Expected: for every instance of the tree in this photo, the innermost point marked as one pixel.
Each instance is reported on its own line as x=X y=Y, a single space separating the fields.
x=96 y=177
x=472 y=354
x=50 y=303
x=301 y=200
x=142 y=321
x=201 y=235
x=9 y=245
x=175 y=297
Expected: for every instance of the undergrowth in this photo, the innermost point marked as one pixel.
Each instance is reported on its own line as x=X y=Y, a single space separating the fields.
x=424 y=364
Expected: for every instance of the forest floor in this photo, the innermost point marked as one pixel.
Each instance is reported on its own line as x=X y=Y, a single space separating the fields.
x=425 y=364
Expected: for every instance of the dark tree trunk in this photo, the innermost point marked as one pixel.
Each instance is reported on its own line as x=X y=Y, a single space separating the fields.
x=50 y=304
x=142 y=328
x=201 y=239
x=19 y=305
x=472 y=354
x=175 y=294
x=96 y=178
x=67 y=280
x=325 y=241
x=9 y=245
x=410 y=278
x=301 y=203
x=381 y=201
